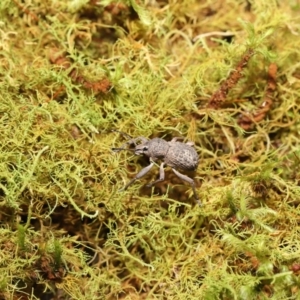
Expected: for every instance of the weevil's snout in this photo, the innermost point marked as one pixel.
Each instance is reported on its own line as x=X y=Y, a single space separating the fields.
x=141 y=149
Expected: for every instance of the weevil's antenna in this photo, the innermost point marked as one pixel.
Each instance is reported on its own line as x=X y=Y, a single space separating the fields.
x=131 y=141
x=122 y=148
x=123 y=133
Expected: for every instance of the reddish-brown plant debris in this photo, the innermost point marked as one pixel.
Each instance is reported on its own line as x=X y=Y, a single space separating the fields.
x=220 y=95
x=116 y=8
x=295 y=267
x=46 y=268
x=26 y=11
x=246 y=121
x=103 y=85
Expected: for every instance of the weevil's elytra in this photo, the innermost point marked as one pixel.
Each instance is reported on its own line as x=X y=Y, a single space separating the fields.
x=182 y=156
x=174 y=154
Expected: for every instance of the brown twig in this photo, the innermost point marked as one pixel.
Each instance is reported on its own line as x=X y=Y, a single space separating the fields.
x=220 y=95
x=247 y=120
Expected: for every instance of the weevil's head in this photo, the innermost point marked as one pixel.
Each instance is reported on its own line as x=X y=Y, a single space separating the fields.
x=142 y=149
x=156 y=148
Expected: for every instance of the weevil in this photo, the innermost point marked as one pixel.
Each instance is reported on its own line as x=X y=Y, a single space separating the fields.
x=174 y=154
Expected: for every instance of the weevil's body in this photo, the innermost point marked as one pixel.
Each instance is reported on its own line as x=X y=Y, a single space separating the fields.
x=182 y=156
x=174 y=154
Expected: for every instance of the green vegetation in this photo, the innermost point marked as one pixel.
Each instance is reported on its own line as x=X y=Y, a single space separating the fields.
x=71 y=71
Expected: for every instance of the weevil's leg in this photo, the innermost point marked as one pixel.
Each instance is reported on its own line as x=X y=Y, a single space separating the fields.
x=139 y=138
x=139 y=175
x=177 y=138
x=189 y=143
x=191 y=182
x=161 y=175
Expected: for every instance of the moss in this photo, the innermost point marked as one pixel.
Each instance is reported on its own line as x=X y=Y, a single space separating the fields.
x=71 y=72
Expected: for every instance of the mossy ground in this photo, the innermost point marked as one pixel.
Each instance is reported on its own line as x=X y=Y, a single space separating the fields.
x=71 y=71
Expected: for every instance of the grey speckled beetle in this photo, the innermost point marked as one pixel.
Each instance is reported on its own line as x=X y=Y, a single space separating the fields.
x=174 y=154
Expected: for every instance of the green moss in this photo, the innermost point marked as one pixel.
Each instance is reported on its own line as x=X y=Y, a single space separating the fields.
x=71 y=71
